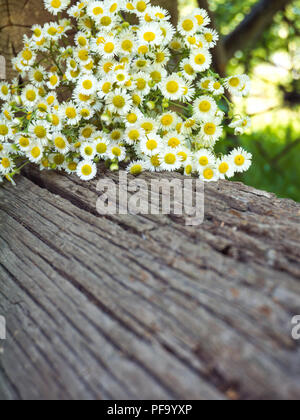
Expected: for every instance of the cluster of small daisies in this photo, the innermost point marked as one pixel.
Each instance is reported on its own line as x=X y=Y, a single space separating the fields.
x=141 y=93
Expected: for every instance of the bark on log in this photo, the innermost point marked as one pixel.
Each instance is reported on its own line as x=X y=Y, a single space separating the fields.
x=140 y=307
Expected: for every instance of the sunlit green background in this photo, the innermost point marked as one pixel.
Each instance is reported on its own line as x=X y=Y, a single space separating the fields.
x=274 y=66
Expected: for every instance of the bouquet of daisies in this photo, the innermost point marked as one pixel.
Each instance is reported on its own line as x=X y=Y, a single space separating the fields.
x=115 y=81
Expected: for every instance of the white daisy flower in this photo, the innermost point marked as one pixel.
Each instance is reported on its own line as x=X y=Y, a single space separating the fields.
x=211 y=132
x=238 y=85
x=7 y=165
x=241 y=159
x=23 y=142
x=127 y=42
x=134 y=134
x=142 y=82
x=157 y=74
x=187 y=69
x=105 y=86
x=102 y=146
x=86 y=170
x=188 y=92
x=172 y=87
x=203 y=158
x=40 y=131
x=241 y=125
x=117 y=152
x=190 y=125
x=136 y=168
x=133 y=117
x=205 y=107
x=225 y=167
x=173 y=140
x=150 y=34
x=152 y=163
x=61 y=143
x=5 y=91
x=88 y=151
x=87 y=84
x=5 y=130
x=30 y=96
x=119 y=102
x=160 y=56
x=87 y=132
x=169 y=160
x=35 y=153
x=95 y=9
x=209 y=174
x=168 y=121
x=188 y=25
x=71 y=166
x=168 y=31
x=151 y=145
x=53 y=81
x=116 y=135
x=211 y=37
x=150 y=125
x=56 y=6
x=176 y=44
x=201 y=60
x=216 y=88
x=37 y=76
x=69 y=112
x=202 y=17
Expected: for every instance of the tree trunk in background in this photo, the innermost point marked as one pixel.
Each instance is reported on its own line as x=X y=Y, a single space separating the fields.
x=171 y=6
x=219 y=53
x=16 y=19
x=253 y=26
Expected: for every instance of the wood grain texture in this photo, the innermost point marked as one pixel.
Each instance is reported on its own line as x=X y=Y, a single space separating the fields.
x=139 y=307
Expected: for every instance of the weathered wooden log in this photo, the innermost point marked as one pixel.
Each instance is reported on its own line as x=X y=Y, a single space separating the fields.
x=139 y=307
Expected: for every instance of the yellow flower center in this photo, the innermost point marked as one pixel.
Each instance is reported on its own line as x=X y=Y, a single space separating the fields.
x=148 y=127
x=116 y=151
x=87 y=132
x=127 y=45
x=119 y=102
x=132 y=118
x=88 y=151
x=156 y=76
x=27 y=55
x=56 y=4
x=234 y=82
x=86 y=170
x=160 y=57
x=101 y=148
x=200 y=19
x=203 y=161
x=4 y=90
x=136 y=169
x=55 y=120
x=188 y=25
x=38 y=76
x=188 y=169
x=53 y=80
x=40 y=132
x=60 y=143
x=59 y=159
x=189 y=69
x=174 y=142
x=24 y=142
x=239 y=160
x=208 y=37
x=30 y=95
x=87 y=84
x=151 y=144
x=217 y=85
x=183 y=156
x=149 y=36
x=71 y=113
x=172 y=87
x=205 y=106
x=3 y=130
x=210 y=129
x=134 y=135
x=97 y=11
x=200 y=59
x=72 y=166
x=167 y=120
x=223 y=168
x=141 y=84
x=141 y=6
x=155 y=161
x=170 y=159
x=83 y=55
x=208 y=173
x=5 y=163
x=136 y=99
x=109 y=47
x=35 y=152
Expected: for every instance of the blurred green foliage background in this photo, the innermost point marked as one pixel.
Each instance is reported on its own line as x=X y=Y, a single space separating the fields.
x=272 y=59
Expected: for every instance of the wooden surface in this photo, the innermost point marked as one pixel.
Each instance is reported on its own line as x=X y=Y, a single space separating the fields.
x=139 y=307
